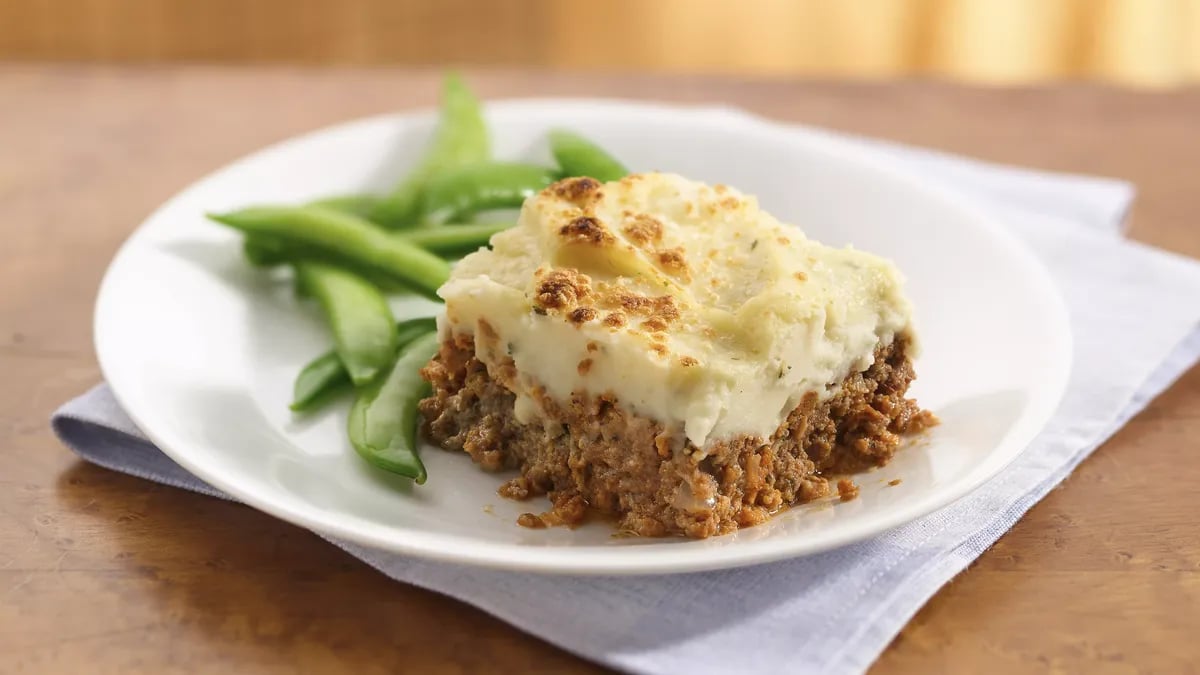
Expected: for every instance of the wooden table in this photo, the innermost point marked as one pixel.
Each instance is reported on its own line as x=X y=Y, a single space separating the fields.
x=101 y=572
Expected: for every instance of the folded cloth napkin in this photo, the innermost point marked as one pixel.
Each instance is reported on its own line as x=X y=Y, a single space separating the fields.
x=1135 y=313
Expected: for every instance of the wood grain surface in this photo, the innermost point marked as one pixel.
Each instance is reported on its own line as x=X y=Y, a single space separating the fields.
x=100 y=572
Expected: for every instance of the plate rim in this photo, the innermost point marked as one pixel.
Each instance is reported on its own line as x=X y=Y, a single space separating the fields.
x=567 y=560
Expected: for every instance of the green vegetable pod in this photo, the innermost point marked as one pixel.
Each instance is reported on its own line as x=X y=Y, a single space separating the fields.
x=325 y=376
x=364 y=330
x=384 y=419
x=343 y=237
x=461 y=138
x=577 y=156
x=459 y=194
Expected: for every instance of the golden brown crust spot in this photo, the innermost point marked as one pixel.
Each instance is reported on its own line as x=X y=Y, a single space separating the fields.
x=562 y=289
x=583 y=315
x=587 y=230
x=730 y=202
x=674 y=263
x=659 y=348
x=688 y=361
x=894 y=482
x=785 y=241
x=615 y=320
x=801 y=276
x=578 y=191
x=630 y=302
x=592 y=346
x=643 y=230
x=584 y=367
x=654 y=325
x=658 y=307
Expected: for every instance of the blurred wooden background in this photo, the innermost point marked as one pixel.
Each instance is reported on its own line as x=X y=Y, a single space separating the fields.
x=1143 y=42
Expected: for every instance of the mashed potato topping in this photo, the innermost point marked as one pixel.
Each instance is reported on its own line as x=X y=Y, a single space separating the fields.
x=687 y=303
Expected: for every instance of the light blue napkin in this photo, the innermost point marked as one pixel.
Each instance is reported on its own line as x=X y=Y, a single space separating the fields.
x=1135 y=313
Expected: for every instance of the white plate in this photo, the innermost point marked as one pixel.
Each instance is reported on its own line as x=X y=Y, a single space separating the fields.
x=201 y=350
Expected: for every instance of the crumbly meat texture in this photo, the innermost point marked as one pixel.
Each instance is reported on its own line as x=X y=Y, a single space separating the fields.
x=591 y=454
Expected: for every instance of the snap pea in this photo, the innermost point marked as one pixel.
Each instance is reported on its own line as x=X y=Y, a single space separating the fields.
x=318 y=381
x=458 y=194
x=361 y=205
x=577 y=156
x=450 y=240
x=262 y=252
x=346 y=238
x=266 y=251
x=461 y=138
x=364 y=330
x=383 y=420
x=325 y=375
x=453 y=239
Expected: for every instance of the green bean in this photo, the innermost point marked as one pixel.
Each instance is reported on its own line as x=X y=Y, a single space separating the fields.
x=577 y=156
x=461 y=138
x=361 y=205
x=346 y=238
x=325 y=376
x=364 y=330
x=458 y=194
x=383 y=420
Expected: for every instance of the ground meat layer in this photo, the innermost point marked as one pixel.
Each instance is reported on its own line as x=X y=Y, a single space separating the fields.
x=591 y=454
